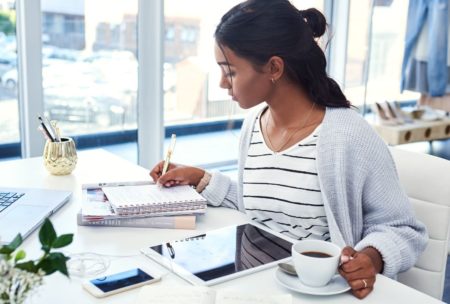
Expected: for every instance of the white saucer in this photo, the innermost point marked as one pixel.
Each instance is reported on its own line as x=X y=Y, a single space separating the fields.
x=337 y=285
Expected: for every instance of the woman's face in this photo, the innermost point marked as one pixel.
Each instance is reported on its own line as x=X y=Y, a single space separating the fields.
x=244 y=84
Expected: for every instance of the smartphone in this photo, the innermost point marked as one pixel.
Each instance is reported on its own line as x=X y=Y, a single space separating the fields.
x=118 y=282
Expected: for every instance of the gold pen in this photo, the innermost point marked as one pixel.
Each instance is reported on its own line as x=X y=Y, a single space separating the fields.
x=169 y=154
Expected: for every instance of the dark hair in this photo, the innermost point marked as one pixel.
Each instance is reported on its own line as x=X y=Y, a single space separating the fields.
x=259 y=29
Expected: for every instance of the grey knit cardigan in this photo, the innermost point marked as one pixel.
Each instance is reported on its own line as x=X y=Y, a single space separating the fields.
x=364 y=201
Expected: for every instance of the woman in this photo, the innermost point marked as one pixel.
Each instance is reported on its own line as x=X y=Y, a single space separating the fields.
x=310 y=167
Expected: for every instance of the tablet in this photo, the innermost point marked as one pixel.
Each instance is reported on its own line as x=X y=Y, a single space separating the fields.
x=222 y=254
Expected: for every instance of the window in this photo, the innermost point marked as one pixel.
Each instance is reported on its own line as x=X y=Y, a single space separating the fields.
x=170 y=32
x=191 y=76
x=195 y=94
x=9 y=110
x=375 y=51
x=90 y=65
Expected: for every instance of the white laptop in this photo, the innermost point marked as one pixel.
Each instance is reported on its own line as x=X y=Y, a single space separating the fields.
x=22 y=210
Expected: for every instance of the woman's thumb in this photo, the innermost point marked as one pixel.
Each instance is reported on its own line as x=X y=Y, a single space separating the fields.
x=347 y=254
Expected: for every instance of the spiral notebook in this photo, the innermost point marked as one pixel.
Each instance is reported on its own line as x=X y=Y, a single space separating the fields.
x=153 y=199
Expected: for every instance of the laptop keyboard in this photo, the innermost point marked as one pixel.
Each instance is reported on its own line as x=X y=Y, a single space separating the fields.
x=8 y=198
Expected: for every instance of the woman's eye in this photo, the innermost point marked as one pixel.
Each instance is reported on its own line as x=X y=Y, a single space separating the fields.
x=230 y=74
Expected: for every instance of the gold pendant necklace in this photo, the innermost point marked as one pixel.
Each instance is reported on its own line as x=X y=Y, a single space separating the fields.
x=290 y=136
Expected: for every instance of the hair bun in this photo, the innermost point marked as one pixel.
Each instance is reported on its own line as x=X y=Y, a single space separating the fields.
x=316 y=21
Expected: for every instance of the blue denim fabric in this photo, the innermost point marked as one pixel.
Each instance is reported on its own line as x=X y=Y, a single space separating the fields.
x=436 y=12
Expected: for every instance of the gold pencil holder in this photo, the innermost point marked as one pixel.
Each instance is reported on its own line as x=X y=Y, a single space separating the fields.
x=60 y=158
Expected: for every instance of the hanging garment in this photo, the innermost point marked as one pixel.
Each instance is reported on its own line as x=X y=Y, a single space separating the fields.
x=426 y=64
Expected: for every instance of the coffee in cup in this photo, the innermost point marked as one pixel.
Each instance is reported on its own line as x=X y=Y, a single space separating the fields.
x=315 y=261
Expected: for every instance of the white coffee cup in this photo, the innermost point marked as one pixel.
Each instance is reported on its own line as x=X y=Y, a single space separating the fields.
x=312 y=270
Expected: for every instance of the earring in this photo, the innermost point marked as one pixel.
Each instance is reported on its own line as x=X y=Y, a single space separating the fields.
x=273 y=80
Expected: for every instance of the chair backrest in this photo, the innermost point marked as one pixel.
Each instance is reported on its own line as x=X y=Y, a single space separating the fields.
x=426 y=180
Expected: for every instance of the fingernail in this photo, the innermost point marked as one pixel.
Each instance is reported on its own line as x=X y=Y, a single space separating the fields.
x=345 y=258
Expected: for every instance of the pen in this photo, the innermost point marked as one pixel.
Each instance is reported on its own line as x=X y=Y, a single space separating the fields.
x=47 y=129
x=46 y=135
x=171 y=251
x=169 y=154
x=55 y=128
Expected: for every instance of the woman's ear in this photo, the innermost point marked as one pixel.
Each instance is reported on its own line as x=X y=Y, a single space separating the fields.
x=275 y=67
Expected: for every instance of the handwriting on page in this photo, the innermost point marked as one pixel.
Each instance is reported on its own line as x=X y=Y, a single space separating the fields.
x=175 y=294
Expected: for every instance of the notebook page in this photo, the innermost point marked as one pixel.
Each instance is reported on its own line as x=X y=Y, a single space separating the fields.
x=238 y=297
x=125 y=196
x=157 y=294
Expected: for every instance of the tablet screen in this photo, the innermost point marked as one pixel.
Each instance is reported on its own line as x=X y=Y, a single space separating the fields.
x=225 y=251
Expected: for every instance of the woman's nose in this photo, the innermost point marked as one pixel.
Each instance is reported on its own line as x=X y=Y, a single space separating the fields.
x=224 y=82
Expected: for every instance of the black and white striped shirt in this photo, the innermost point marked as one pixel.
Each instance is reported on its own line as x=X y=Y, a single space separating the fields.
x=281 y=189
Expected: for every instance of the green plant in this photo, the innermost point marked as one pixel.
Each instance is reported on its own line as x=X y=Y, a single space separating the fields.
x=7 y=22
x=19 y=277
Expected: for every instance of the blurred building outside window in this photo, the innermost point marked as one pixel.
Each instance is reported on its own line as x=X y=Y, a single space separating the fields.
x=375 y=52
x=9 y=109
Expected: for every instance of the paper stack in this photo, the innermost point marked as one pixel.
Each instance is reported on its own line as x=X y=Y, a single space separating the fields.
x=140 y=204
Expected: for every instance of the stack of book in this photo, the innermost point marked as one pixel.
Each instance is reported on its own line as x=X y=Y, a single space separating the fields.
x=140 y=204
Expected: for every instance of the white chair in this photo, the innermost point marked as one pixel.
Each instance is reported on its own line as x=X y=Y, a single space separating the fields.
x=426 y=180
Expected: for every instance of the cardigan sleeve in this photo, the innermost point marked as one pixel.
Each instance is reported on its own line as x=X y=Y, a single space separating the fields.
x=221 y=191
x=360 y=183
x=389 y=223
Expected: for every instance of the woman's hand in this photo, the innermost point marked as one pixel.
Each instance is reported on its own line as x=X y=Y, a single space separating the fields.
x=176 y=175
x=360 y=269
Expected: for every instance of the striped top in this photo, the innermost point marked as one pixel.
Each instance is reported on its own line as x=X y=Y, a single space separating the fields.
x=362 y=195
x=281 y=189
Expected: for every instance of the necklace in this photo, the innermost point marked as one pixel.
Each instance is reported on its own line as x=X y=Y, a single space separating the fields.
x=292 y=134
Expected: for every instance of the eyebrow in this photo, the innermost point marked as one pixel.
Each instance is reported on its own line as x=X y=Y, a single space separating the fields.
x=224 y=63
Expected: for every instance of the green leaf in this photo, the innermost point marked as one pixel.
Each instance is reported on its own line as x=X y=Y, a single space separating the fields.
x=46 y=265
x=63 y=240
x=55 y=261
x=47 y=235
x=8 y=249
x=28 y=266
x=20 y=255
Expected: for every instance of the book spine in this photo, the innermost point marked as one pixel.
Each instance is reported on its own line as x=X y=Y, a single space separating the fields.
x=166 y=222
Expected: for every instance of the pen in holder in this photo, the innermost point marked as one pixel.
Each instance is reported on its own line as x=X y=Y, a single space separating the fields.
x=60 y=158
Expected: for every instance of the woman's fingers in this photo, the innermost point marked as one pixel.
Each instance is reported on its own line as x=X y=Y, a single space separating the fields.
x=176 y=175
x=362 y=283
x=362 y=293
x=155 y=173
x=358 y=269
x=347 y=254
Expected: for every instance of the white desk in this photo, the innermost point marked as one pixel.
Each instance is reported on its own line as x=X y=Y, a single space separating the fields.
x=98 y=165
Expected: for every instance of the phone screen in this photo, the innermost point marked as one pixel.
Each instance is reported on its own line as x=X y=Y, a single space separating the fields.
x=122 y=279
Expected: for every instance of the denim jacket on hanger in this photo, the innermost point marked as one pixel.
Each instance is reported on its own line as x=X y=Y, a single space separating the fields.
x=435 y=12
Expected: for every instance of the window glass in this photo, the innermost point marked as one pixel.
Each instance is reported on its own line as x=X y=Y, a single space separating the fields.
x=191 y=76
x=375 y=51
x=9 y=110
x=90 y=65
x=191 y=81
